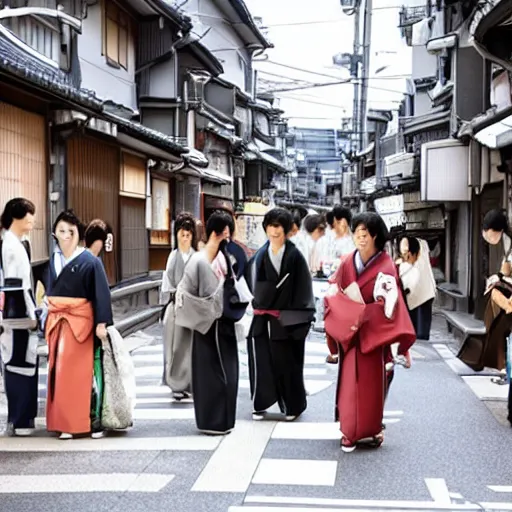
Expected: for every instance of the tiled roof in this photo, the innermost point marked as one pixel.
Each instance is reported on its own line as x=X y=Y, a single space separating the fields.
x=15 y=61
x=29 y=68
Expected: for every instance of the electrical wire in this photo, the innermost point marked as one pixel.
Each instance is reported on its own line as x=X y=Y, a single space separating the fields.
x=345 y=83
x=310 y=72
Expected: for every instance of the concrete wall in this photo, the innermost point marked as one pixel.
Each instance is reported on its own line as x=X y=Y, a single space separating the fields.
x=108 y=82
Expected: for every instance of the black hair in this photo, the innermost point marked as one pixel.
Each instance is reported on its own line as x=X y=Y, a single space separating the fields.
x=296 y=218
x=218 y=221
x=187 y=222
x=16 y=209
x=278 y=217
x=70 y=217
x=414 y=244
x=97 y=229
x=338 y=213
x=375 y=225
x=496 y=220
x=329 y=217
x=314 y=221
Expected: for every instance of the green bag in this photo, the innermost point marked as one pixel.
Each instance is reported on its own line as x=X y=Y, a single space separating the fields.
x=97 y=391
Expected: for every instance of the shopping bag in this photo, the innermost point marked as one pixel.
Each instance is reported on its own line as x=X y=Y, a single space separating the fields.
x=119 y=383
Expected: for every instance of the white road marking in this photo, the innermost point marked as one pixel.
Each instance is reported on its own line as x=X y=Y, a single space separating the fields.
x=438 y=490
x=110 y=443
x=313 y=430
x=175 y=413
x=500 y=488
x=355 y=503
x=296 y=472
x=108 y=482
x=232 y=465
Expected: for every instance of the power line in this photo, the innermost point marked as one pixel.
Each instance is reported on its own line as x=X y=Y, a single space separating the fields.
x=308 y=71
x=321 y=22
x=332 y=105
x=344 y=83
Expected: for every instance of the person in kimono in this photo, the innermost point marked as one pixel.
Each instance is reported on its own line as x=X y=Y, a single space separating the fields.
x=215 y=353
x=98 y=237
x=370 y=316
x=418 y=283
x=177 y=339
x=18 y=350
x=284 y=308
x=79 y=311
x=497 y=317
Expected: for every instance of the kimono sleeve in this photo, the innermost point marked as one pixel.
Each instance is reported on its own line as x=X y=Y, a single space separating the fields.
x=102 y=302
x=377 y=330
x=9 y=264
x=167 y=288
x=303 y=296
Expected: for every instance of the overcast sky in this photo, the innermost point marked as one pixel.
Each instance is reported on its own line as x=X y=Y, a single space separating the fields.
x=306 y=34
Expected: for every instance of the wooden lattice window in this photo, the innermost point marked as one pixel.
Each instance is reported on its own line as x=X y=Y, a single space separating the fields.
x=116 y=35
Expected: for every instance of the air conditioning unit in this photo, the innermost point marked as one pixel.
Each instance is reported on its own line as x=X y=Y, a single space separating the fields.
x=445 y=171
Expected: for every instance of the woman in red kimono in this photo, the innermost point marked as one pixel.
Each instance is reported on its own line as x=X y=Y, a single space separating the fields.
x=365 y=317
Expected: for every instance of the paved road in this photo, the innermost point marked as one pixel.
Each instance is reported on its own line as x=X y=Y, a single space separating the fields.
x=443 y=451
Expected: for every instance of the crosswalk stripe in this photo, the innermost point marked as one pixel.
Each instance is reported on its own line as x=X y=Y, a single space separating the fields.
x=300 y=504
x=104 y=482
x=116 y=442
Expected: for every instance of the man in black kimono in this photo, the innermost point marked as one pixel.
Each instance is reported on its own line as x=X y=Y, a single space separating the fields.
x=284 y=308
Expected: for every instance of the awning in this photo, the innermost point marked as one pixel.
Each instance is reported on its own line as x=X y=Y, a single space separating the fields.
x=254 y=153
x=487 y=15
x=426 y=122
x=205 y=174
x=491 y=129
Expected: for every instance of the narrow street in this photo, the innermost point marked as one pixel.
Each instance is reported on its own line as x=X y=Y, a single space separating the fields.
x=444 y=450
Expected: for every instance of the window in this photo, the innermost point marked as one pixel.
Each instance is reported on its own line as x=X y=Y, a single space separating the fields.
x=116 y=35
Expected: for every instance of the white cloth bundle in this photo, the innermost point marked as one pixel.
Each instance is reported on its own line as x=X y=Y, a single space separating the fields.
x=119 y=392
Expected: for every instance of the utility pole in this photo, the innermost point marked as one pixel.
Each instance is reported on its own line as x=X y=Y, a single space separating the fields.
x=354 y=73
x=367 y=35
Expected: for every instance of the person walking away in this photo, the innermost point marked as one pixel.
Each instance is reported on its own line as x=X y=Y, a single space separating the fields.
x=215 y=353
x=79 y=311
x=284 y=308
x=98 y=237
x=365 y=315
x=177 y=339
x=18 y=349
x=418 y=283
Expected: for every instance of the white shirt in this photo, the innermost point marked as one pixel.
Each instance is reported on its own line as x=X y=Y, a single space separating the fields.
x=276 y=258
x=15 y=262
x=59 y=261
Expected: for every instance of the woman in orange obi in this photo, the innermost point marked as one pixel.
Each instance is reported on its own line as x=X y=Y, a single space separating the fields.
x=79 y=311
x=366 y=315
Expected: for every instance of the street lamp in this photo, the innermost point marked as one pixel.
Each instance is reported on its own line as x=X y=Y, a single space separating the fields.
x=347 y=61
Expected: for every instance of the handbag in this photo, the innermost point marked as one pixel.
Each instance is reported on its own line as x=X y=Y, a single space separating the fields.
x=236 y=295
